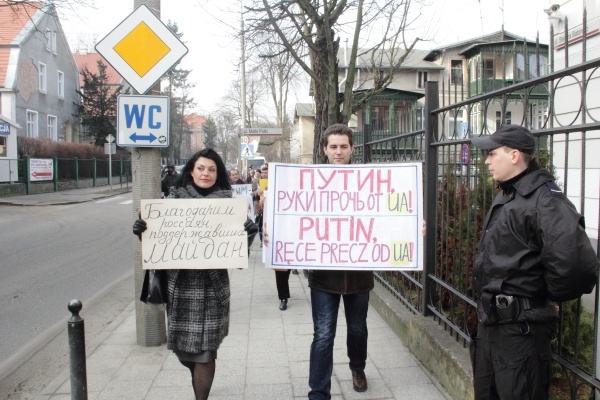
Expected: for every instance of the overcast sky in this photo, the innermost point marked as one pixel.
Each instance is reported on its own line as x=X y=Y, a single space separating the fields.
x=214 y=52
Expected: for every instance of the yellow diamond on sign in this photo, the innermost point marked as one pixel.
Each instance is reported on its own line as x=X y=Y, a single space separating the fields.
x=142 y=49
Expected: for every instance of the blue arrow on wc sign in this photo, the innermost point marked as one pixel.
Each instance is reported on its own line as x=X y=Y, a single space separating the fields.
x=142 y=121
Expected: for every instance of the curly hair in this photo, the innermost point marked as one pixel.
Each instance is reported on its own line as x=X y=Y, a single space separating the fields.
x=185 y=177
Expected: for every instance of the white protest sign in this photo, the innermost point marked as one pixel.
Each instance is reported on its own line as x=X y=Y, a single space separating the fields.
x=194 y=234
x=244 y=191
x=350 y=217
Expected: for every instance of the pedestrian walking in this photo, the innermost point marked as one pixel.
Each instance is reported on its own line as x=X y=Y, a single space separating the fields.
x=198 y=299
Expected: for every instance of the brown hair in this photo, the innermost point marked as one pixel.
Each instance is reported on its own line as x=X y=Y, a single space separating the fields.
x=337 y=129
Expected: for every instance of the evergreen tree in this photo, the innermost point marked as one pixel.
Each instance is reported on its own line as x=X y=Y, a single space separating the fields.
x=98 y=109
x=210 y=129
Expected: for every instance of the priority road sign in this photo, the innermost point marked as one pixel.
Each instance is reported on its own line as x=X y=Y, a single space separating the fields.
x=143 y=121
x=141 y=49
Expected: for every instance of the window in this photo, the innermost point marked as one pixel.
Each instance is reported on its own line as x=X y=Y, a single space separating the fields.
x=48 y=40
x=43 y=82
x=61 y=84
x=488 y=69
x=2 y=146
x=520 y=67
x=539 y=114
x=380 y=116
x=52 y=127
x=533 y=65
x=455 y=124
x=507 y=119
x=456 y=72
x=421 y=79
x=32 y=124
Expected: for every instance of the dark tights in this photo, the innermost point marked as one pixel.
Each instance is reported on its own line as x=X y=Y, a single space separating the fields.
x=202 y=377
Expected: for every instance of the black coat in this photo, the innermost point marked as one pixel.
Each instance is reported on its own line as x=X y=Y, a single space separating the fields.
x=198 y=300
x=341 y=282
x=534 y=244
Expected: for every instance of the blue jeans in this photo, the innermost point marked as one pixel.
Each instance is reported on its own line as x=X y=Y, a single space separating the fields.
x=324 y=312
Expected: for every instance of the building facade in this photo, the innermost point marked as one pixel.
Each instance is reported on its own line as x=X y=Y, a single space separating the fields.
x=38 y=73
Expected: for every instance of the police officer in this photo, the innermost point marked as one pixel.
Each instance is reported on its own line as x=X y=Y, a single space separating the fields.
x=533 y=250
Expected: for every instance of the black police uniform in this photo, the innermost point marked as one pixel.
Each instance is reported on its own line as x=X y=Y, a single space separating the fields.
x=534 y=249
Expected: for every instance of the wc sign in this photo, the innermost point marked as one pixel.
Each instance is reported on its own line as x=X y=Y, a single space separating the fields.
x=143 y=121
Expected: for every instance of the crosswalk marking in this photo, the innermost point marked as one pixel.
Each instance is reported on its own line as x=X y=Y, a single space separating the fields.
x=127 y=202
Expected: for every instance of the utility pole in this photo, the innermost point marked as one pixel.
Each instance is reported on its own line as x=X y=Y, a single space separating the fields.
x=145 y=162
x=243 y=80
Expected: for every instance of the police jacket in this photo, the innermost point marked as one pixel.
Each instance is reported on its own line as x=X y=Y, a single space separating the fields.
x=341 y=282
x=534 y=244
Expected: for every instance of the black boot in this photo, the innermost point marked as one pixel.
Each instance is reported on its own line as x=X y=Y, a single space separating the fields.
x=283 y=305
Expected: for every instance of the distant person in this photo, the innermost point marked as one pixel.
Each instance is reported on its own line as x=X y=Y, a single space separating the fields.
x=234 y=177
x=534 y=250
x=249 y=175
x=198 y=299
x=168 y=181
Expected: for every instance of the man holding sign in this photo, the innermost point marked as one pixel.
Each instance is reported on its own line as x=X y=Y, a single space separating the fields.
x=342 y=222
x=326 y=290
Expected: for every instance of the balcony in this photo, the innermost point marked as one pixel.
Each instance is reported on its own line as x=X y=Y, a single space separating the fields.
x=487 y=85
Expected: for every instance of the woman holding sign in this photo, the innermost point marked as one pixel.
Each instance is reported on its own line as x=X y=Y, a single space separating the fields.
x=198 y=299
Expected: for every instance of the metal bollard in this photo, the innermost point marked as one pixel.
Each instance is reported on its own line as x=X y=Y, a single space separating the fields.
x=77 y=352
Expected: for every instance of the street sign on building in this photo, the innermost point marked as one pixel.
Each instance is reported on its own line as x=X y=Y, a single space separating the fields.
x=262 y=131
x=143 y=121
x=141 y=49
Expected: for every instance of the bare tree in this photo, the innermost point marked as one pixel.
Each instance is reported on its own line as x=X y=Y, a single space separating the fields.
x=309 y=30
x=227 y=140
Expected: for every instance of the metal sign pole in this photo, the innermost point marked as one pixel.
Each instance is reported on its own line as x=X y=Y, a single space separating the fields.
x=150 y=321
x=136 y=49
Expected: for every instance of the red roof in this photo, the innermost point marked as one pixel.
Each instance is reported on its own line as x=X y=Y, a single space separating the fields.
x=194 y=121
x=13 y=18
x=90 y=61
x=12 y=21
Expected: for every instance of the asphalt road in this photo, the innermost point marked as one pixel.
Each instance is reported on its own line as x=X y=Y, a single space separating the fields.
x=52 y=254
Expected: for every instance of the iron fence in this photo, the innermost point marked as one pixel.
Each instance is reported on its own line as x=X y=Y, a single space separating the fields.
x=71 y=173
x=459 y=191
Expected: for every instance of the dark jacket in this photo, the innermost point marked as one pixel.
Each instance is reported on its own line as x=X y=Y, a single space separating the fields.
x=167 y=182
x=534 y=245
x=198 y=299
x=341 y=282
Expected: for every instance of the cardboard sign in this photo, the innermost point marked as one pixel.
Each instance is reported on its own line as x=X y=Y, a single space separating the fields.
x=194 y=233
x=345 y=217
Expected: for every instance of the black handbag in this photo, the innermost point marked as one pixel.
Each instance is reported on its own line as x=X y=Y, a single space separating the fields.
x=154 y=288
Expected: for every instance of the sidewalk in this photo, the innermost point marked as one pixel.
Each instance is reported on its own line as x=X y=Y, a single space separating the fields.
x=66 y=196
x=265 y=356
